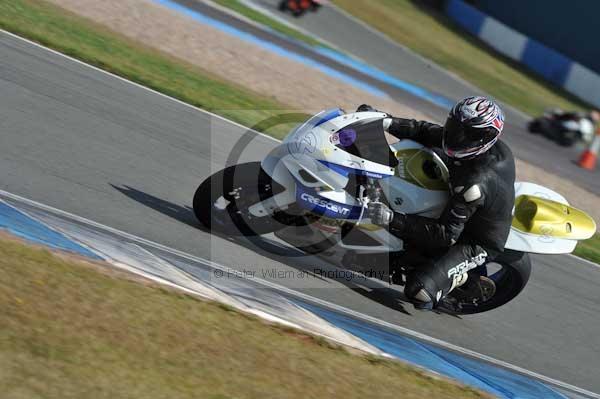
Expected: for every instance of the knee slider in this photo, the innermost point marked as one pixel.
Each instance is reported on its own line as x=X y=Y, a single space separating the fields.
x=422 y=288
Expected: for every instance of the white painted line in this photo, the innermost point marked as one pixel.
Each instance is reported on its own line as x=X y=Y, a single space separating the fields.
x=134 y=84
x=231 y=12
x=308 y=298
x=582 y=260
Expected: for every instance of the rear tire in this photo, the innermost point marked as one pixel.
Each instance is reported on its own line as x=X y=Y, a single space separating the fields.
x=510 y=281
x=221 y=202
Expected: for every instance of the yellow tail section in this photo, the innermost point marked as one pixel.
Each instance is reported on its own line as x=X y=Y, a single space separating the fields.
x=547 y=218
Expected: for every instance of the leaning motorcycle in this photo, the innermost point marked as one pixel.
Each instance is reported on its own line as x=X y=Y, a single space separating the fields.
x=324 y=173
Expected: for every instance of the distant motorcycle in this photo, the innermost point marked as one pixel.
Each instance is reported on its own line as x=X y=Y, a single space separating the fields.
x=299 y=7
x=566 y=128
x=325 y=172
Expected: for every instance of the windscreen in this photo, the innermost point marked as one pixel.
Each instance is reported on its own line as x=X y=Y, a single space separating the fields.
x=318 y=119
x=366 y=139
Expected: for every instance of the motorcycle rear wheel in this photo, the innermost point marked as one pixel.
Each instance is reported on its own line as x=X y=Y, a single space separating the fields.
x=510 y=280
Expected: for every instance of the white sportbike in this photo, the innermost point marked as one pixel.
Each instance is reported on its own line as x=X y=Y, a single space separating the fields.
x=325 y=172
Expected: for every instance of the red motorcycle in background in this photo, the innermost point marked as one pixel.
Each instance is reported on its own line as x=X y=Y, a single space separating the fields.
x=299 y=7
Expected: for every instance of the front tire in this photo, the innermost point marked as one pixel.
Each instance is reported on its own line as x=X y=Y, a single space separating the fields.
x=221 y=202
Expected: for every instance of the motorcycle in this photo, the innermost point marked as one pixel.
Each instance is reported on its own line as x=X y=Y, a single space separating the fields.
x=566 y=128
x=299 y=7
x=322 y=176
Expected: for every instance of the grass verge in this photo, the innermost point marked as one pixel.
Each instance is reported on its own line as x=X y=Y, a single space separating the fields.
x=589 y=249
x=74 y=329
x=94 y=44
x=434 y=36
x=85 y=40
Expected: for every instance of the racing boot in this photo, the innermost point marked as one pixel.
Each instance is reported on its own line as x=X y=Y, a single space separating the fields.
x=425 y=291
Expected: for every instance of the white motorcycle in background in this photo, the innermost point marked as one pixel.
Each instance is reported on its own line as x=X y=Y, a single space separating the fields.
x=566 y=128
x=327 y=169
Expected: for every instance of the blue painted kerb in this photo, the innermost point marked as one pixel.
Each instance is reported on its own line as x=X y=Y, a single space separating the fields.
x=23 y=226
x=498 y=381
x=199 y=17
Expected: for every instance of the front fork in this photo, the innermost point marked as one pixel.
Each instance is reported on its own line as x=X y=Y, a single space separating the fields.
x=368 y=191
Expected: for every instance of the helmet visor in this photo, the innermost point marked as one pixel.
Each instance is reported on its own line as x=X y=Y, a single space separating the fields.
x=461 y=141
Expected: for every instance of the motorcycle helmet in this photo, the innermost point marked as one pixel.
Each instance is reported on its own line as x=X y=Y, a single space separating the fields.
x=473 y=127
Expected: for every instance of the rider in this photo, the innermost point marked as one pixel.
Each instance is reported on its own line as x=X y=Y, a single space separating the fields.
x=475 y=224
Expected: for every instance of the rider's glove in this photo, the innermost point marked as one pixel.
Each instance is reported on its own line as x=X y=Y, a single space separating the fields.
x=379 y=213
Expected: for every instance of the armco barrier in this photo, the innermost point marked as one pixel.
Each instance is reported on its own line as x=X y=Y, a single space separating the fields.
x=548 y=63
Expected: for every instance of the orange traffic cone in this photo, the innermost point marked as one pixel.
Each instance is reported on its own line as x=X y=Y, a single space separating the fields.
x=590 y=156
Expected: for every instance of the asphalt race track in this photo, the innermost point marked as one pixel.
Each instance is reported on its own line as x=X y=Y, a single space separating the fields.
x=337 y=28
x=91 y=144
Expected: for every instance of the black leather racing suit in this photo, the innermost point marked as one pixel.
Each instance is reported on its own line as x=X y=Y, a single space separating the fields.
x=475 y=223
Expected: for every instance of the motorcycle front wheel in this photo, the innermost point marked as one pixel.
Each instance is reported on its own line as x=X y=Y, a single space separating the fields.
x=221 y=202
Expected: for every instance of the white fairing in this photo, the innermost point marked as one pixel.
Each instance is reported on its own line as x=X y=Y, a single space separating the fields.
x=299 y=155
x=307 y=144
x=586 y=127
x=520 y=241
x=571 y=125
x=300 y=160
